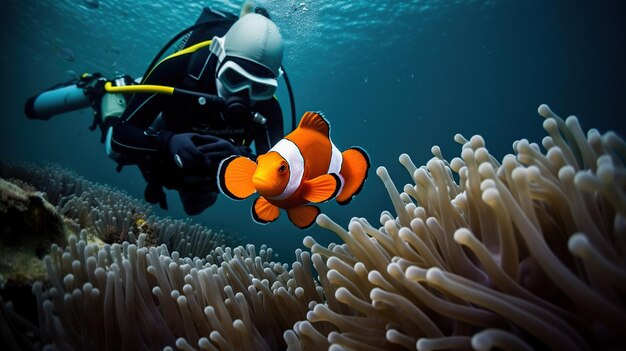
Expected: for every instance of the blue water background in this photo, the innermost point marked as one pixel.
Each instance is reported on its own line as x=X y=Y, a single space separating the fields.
x=391 y=76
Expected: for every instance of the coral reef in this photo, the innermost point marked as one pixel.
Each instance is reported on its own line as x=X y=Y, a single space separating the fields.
x=110 y=215
x=521 y=255
x=28 y=226
x=527 y=253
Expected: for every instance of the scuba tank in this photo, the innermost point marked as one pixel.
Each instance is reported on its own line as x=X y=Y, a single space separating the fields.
x=55 y=101
x=76 y=94
x=87 y=91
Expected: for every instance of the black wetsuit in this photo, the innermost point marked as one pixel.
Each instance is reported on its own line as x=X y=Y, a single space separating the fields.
x=143 y=142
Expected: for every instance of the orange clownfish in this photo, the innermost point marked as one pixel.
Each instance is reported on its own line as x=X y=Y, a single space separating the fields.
x=305 y=166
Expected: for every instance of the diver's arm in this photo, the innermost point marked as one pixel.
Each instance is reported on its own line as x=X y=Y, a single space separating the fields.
x=272 y=131
x=135 y=135
x=129 y=140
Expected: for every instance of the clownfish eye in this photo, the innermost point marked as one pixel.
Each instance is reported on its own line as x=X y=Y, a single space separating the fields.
x=282 y=168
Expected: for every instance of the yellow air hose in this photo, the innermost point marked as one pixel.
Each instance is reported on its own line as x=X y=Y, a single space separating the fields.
x=159 y=89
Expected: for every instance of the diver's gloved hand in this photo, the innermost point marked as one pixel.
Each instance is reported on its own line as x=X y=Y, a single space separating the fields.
x=185 y=149
x=217 y=149
x=154 y=194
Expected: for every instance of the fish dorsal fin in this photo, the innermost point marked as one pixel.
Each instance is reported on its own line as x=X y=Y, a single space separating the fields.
x=315 y=121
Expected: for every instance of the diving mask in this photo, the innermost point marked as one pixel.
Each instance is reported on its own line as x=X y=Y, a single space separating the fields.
x=235 y=78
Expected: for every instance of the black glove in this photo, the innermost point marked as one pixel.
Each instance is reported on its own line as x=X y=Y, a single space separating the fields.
x=217 y=149
x=191 y=150
x=184 y=148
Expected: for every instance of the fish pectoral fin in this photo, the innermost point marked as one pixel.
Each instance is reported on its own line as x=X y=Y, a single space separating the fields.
x=234 y=177
x=303 y=216
x=264 y=212
x=354 y=169
x=322 y=188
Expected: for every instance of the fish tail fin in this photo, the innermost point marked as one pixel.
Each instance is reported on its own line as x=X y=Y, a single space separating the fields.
x=303 y=216
x=234 y=177
x=354 y=169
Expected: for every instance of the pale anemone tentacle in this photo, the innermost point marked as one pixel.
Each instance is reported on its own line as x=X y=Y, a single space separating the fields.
x=489 y=339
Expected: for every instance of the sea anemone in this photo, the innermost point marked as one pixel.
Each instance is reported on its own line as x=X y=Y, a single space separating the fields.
x=527 y=253
x=135 y=297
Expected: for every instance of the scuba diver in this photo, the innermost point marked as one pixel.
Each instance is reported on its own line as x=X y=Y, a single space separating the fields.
x=210 y=99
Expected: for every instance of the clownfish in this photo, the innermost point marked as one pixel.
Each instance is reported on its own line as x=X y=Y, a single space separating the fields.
x=303 y=167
